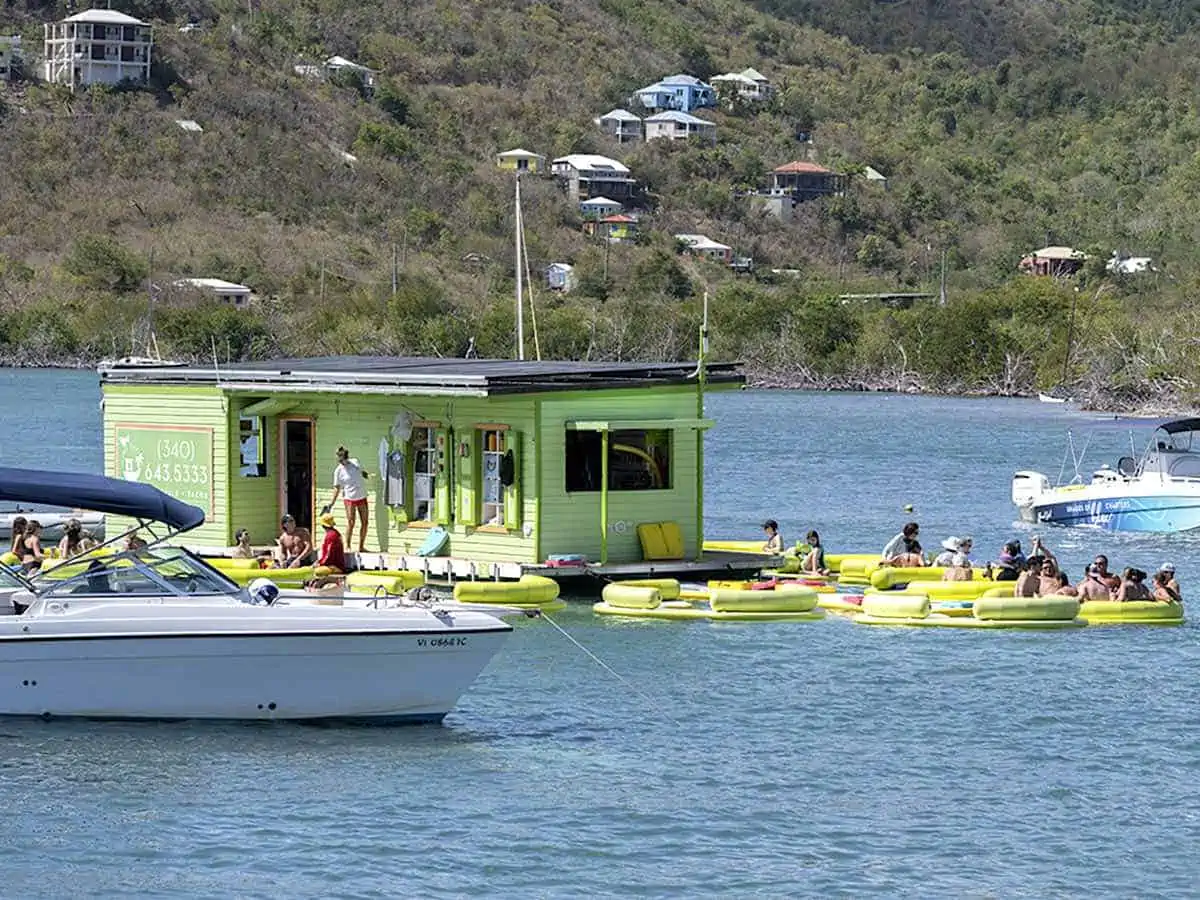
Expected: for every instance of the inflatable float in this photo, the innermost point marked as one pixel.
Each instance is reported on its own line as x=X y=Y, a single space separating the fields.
x=755 y=547
x=391 y=582
x=950 y=590
x=786 y=603
x=884 y=577
x=528 y=592
x=914 y=610
x=1131 y=612
x=243 y=571
x=818 y=584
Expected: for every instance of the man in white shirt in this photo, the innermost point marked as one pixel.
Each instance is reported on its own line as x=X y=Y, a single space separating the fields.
x=349 y=483
x=902 y=543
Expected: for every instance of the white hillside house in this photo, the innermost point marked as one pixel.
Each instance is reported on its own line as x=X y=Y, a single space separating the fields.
x=674 y=125
x=100 y=46
x=749 y=84
x=237 y=295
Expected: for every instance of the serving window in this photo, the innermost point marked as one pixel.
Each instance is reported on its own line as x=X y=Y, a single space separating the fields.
x=638 y=460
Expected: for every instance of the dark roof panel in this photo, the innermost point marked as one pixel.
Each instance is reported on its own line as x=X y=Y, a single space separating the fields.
x=380 y=372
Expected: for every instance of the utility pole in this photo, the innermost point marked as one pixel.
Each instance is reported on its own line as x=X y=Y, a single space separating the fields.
x=322 y=281
x=395 y=271
x=943 y=290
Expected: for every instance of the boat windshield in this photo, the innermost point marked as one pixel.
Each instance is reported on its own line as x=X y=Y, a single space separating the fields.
x=167 y=571
x=10 y=579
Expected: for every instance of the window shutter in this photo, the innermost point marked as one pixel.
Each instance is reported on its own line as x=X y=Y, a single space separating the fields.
x=512 y=493
x=445 y=475
x=469 y=478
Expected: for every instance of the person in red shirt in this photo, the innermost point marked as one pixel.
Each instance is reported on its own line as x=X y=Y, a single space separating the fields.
x=333 y=552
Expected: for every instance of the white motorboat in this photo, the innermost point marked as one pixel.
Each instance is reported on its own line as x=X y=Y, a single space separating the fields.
x=1159 y=492
x=157 y=633
x=53 y=521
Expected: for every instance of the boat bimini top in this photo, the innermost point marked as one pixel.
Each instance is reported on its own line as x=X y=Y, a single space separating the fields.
x=98 y=493
x=1173 y=451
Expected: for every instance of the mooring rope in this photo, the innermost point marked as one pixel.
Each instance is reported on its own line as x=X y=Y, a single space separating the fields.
x=615 y=674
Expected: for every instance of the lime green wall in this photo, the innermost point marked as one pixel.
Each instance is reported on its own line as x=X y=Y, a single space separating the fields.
x=571 y=522
x=169 y=408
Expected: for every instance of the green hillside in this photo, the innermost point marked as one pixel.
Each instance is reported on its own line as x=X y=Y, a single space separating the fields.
x=1001 y=128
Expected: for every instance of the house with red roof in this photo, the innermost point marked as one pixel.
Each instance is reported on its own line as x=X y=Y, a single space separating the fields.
x=621 y=227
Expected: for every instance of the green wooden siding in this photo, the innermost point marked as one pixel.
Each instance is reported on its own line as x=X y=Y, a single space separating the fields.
x=571 y=521
x=171 y=408
x=557 y=522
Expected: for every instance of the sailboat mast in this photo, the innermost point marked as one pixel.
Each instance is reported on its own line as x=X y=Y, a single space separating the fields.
x=1070 y=337
x=520 y=275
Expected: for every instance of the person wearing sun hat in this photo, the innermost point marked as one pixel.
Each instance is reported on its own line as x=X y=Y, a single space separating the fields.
x=333 y=551
x=950 y=547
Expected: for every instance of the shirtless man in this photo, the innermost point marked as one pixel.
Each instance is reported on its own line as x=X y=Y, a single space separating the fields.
x=295 y=545
x=1029 y=582
x=1093 y=587
x=1109 y=578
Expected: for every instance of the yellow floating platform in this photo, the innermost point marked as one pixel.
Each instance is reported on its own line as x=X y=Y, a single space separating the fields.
x=913 y=611
x=840 y=603
x=724 y=604
x=737 y=547
x=682 y=611
x=1131 y=612
x=949 y=590
x=940 y=620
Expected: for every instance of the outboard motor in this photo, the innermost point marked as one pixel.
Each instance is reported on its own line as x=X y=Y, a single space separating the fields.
x=262 y=592
x=1027 y=487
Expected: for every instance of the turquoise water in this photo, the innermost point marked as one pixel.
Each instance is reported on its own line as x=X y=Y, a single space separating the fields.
x=821 y=759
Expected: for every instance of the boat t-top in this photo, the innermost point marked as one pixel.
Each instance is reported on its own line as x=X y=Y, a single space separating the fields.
x=1159 y=492
x=157 y=633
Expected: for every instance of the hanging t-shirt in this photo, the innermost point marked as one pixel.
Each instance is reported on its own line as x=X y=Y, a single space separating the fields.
x=349 y=477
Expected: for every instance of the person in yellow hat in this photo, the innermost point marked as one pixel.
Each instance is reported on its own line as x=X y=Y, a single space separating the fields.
x=333 y=551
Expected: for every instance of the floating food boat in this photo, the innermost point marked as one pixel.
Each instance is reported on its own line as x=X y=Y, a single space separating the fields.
x=914 y=610
x=786 y=603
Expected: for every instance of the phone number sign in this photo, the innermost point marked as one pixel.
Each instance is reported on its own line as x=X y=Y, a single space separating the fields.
x=176 y=460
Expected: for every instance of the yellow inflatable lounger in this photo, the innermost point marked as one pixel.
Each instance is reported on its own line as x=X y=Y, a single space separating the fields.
x=890 y=576
x=994 y=612
x=631 y=596
x=668 y=588
x=785 y=598
x=1026 y=608
x=528 y=590
x=951 y=590
x=850 y=562
x=736 y=547
x=1131 y=612
x=383 y=581
x=284 y=578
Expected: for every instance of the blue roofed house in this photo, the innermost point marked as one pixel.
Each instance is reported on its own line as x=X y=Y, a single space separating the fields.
x=679 y=126
x=679 y=92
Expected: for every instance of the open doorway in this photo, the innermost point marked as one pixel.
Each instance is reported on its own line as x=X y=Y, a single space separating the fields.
x=296 y=494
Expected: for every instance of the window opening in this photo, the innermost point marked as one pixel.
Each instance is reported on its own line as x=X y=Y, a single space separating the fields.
x=638 y=460
x=424 y=472
x=493 y=482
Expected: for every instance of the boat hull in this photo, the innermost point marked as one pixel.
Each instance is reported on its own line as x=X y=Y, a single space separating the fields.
x=1160 y=513
x=379 y=676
